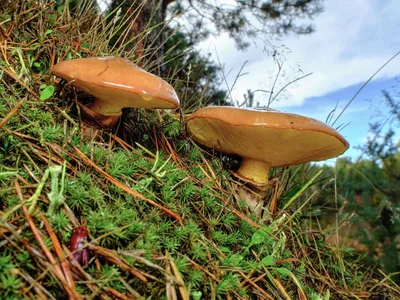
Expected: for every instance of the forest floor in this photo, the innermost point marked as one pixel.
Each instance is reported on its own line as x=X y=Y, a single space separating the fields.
x=162 y=216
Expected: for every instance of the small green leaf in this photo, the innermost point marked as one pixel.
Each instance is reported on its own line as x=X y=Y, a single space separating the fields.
x=268 y=261
x=327 y=295
x=43 y=86
x=196 y=295
x=301 y=268
x=283 y=271
x=259 y=237
x=60 y=9
x=48 y=31
x=47 y=92
x=224 y=249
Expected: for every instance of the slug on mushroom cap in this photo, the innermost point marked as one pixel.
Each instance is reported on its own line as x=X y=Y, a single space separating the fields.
x=116 y=83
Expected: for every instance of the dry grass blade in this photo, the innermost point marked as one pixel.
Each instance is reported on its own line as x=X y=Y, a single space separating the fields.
x=112 y=256
x=254 y=285
x=60 y=254
x=58 y=272
x=170 y=288
x=182 y=288
x=39 y=289
x=12 y=112
x=117 y=294
x=80 y=272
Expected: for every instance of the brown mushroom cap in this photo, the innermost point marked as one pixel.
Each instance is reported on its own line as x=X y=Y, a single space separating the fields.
x=274 y=139
x=116 y=83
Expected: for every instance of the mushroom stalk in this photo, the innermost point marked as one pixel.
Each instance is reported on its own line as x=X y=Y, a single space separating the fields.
x=254 y=172
x=104 y=108
x=93 y=118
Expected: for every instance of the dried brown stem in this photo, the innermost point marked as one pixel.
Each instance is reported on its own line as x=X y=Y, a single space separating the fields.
x=57 y=270
x=60 y=253
x=12 y=113
x=112 y=256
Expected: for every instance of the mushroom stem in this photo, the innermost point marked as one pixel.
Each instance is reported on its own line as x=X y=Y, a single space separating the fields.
x=93 y=118
x=255 y=172
x=104 y=108
x=255 y=200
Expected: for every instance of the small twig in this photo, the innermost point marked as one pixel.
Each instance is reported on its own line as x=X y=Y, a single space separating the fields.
x=12 y=112
x=230 y=89
x=60 y=254
x=289 y=83
x=182 y=288
x=270 y=99
x=141 y=260
x=115 y=293
x=250 y=221
x=254 y=285
x=170 y=288
x=15 y=77
x=79 y=271
x=111 y=256
x=40 y=290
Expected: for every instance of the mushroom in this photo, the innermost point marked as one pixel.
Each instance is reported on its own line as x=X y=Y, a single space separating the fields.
x=264 y=139
x=115 y=83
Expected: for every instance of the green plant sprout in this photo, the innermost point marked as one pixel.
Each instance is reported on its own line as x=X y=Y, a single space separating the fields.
x=24 y=69
x=31 y=202
x=303 y=188
x=55 y=196
x=159 y=173
x=46 y=91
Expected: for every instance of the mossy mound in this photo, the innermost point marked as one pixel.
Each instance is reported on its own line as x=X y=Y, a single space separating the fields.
x=163 y=217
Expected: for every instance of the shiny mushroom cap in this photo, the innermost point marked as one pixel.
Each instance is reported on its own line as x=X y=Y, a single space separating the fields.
x=116 y=83
x=264 y=139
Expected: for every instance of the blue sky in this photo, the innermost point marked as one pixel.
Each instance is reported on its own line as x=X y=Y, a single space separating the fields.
x=367 y=108
x=353 y=39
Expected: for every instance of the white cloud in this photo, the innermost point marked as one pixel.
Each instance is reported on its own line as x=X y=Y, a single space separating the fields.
x=352 y=40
